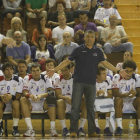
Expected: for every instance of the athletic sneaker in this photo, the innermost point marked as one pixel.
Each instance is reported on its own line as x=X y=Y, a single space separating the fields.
x=107 y=132
x=138 y=134
x=29 y=133
x=81 y=132
x=1 y=132
x=119 y=132
x=53 y=133
x=15 y=132
x=98 y=131
x=65 y=132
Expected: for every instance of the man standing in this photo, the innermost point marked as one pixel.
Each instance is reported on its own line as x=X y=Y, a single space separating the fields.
x=87 y=57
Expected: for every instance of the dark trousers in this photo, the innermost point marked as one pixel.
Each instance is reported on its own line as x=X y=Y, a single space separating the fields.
x=89 y=90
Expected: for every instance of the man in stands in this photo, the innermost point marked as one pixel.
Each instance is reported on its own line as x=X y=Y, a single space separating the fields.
x=10 y=93
x=64 y=94
x=57 y=33
x=102 y=16
x=127 y=95
x=38 y=96
x=84 y=25
x=114 y=37
x=103 y=99
x=22 y=68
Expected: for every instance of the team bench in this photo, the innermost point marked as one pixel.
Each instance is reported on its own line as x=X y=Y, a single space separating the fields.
x=41 y=115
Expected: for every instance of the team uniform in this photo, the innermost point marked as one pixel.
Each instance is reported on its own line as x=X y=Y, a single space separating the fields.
x=66 y=89
x=125 y=86
x=105 y=105
x=36 y=88
x=13 y=86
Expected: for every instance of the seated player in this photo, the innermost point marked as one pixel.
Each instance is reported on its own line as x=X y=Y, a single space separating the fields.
x=64 y=102
x=10 y=93
x=36 y=88
x=103 y=99
x=125 y=91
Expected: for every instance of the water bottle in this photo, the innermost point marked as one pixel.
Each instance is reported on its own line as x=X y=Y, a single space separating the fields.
x=131 y=127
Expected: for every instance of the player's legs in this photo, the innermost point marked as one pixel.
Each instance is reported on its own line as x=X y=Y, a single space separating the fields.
x=16 y=115
x=1 y=115
x=52 y=116
x=25 y=109
x=83 y=119
x=136 y=104
x=118 y=114
x=61 y=107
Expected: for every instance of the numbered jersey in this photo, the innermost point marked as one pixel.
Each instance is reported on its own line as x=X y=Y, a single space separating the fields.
x=105 y=85
x=13 y=86
x=125 y=86
x=36 y=87
x=55 y=79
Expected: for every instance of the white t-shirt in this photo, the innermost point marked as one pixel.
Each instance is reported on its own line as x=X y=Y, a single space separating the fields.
x=58 y=33
x=52 y=3
x=125 y=86
x=105 y=85
x=44 y=54
x=103 y=14
x=55 y=79
x=1 y=37
x=36 y=87
x=12 y=86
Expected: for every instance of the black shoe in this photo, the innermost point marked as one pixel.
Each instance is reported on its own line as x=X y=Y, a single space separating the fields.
x=1 y=132
x=15 y=132
x=119 y=132
x=107 y=132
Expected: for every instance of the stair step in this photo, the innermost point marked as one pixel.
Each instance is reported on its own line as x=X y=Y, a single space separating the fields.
x=128 y=8
x=136 y=49
x=133 y=23
x=133 y=32
x=135 y=41
x=127 y=1
x=136 y=57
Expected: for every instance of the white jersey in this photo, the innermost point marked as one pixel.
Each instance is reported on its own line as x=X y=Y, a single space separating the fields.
x=12 y=86
x=55 y=79
x=103 y=14
x=36 y=87
x=66 y=89
x=125 y=86
x=105 y=85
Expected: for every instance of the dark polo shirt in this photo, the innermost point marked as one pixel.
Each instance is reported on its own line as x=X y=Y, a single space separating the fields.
x=87 y=61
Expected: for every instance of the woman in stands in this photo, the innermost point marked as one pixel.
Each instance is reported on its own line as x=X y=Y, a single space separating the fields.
x=12 y=8
x=43 y=52
x=16 y=25
x=41 y=30
x=127 y=56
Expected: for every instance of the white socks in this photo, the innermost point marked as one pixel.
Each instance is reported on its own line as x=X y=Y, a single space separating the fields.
x=15 y=121
x=107 y=122
x=96 y=123
x=52 y=124
x=119 y=122
x=63 y=123
x=82 y=122
x=29 y=123
x=138 y=123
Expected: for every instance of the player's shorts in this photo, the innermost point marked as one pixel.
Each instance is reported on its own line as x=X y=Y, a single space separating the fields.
x=128 y=104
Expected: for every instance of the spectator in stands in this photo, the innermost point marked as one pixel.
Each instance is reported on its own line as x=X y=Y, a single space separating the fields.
x=22 y=68
x=10 y=93
x=81 y=5
x=104 y=98
x=41 y=29
x=36 y=8
x=43 y=52
x=21 y=51
x=52 y=18
x=52 y=5
x=12 y=8
x=114 y=37
x=66 y=47
x=80 y=29
x=64 y=97
x=127 y=95
x=127 y=56
x=57 y=33
x=100 y=4
x=102 y=16
x=41 y=86
x=93 y=5
x=16 y=25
